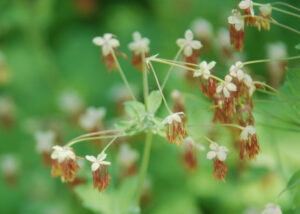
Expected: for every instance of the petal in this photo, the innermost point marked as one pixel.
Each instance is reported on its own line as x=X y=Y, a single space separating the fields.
x=107 y=36
x=197 y=74
x=221 y=156
x=188 y=51
x=95 y=166
x=98 y=41
x=90 y=158
x=114 y=43
x=231 y=86
x=226 y=92
x=189 y=35
x=105 y=162
x=101 y=157
x=136 y=36
x=180 y=42
x=211 y=155
x=196 y=44
x=106 y=49
x=211 y=65
x=213 y=146
x=219 y=88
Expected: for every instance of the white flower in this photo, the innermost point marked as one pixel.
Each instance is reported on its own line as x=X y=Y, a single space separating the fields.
x=236 y=70
x=202 y=28
x=189 y=141
x=173 y=117
x=248 y=130
x=97 y=162
x=62 y=153
x=236 y=20
x=271 y=209
x=92 y=118
x=9 y=164
x=127 y=156
x=176 y=95
x=204 y=69
x=224 y=37
x=139 y=45
x=107 y=42
x=276 y=50
x=70 y=102
x=217 y=151
x=245 y=4
x=227 y=86
x=45 y=140
x=188 y=44
x=249 y=82
x=266 y=10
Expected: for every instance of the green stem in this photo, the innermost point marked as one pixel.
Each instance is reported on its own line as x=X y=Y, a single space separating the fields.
x=279 y=10
x=144 y=166
x=284 y=26
x=93 y=138
x=122 y=74
x=286 y=5
x=145 y=82
x=170 y=69
x=270 y=60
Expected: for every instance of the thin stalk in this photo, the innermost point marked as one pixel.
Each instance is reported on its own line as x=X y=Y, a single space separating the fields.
x=122 y=74
x=170 y=69
x=272 y=89
x=184 y=67
x=284 y=26
x=96 y=133
x=286 y=5
x=271 y=60
x=144 y=166
x=158 y=85
x=279 y=10
x=92 y=138
x=145 y=82
x=224 y=125
x=108 y=145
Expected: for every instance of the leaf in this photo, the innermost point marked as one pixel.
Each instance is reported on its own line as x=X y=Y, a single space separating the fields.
x=293 y=182
x=298 y=46
x=154 y=101
x=135 y=109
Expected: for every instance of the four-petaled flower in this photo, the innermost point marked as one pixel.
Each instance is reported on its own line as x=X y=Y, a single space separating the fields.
x=92 y=118
x=107 y=42
x=175 y=130
x=248 y=130
x=97 y=162
x=226 y=87
x=175 y=117
x=236 y=20
x=139 y=45
x=45 y=140
x=204 y=69
x=188 y=44
x=245 y=4
x=62 y=153
x=217 y=151
x=236 y=70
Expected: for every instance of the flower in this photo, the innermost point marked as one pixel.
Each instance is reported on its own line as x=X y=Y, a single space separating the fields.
x=189 y=141
x=45 y=140
x=139 y=45
x=265 y=10
x=247 y=131
x=217 y=151
x=272 y=209
x=226 y=87
x=99 y=171
x=245 y=4
x=249 y=83
x=236 y=70
x=97 y=162
x=107 y=42
x=204 y=69
x=188 y=44
x=70 y=102
x=236 y=20
x=249 y=144
x=247 y=9
x=64 y=163
x=175 y=131
x=237 y=35
x=202 y=29
x=92 y=118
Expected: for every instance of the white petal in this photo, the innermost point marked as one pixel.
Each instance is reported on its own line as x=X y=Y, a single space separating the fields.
x=107 y=36
x=196 y=44
x=211 y=64
x=98 y=41
x=221 y=156
x=189 y=35
x=106 y=49
x=226 y=92
x=101 y=157
x=231 y=86
x=95 y=166
x=213 y=146
x=219 y=88
x=136 y=36
x=114 y=43
x=188 y=51
x=211 y=155
x=197 y=74
x=105 y=162
x=90 y=158
x=180 y=42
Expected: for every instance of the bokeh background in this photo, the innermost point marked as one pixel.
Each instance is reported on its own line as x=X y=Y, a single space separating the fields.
x=46 y=49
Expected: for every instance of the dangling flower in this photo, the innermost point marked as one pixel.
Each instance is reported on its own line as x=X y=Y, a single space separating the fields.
x=265 y=14
x=10 y=166
x=127 y=158
x=203 y=31
x=236 y=71
x=175 y=128
x=227 y=87
x=92 y=119
x=272 y=209
x=64 y=163
x=249 y=83
x=247 y=9
x=190 y=47
x=108 y=44
x=205 y=70
x=218 y=155
x=237 y=35
x=178 y=100
x=100 y=173
x=224 y=43
x=189 y=155
x=45 y=141
x=139 y=48
x=249 y=143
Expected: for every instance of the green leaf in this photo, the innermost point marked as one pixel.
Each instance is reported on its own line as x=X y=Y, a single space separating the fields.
x=135 y=109
x=293 y=182
x=298 y=46
x=154 y=101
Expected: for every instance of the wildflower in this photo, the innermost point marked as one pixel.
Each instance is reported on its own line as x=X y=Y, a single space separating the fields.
x=140 y=49
x=45 y=140
x=178 y=100
x=218 y=155
x=99 y=171
x=236 y=70
x=204 y=69
x=224 y=43
x=71 y=103
x=236 y=30
x=9 y=166
x=175 y=128
x=247 y=9
x=64 y=163
x=203 y=31
x=227 y=87
x=109 y=45
x=272 y=209
x=127 y=158
x=92 y=119
x=190 y=156
x=276 y=69
x=249 y=83
x=7 y=111
x=265 y=14
x=249 y=143
x=190 y=47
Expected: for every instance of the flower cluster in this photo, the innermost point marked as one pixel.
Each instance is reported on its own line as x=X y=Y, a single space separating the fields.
x=175 y=127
